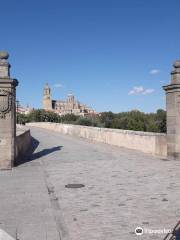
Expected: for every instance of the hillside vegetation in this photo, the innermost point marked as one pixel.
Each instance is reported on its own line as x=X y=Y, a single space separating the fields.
x=132 y=120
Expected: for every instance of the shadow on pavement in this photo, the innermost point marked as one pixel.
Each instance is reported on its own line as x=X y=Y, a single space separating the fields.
x=31 y=155
x=45 y=152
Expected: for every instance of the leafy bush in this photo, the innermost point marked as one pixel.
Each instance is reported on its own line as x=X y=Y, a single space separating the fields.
x=136 y=120
x=68 y=118
x=86 y=121
x=133 y=120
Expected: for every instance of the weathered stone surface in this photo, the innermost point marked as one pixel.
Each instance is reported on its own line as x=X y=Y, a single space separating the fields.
x=4 y=65
x=4 y=55
x=4 y=71
x=173 y=113
x=123 y=189
x=153 y=143
x=7 y=114
x=23 y=143
x=177 y=64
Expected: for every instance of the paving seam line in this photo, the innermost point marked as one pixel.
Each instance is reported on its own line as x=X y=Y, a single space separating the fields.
x=57 y=213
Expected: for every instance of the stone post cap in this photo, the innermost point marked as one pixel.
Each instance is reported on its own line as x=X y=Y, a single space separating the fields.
x=176 y=73
x=176 y=64
x=4 y=65
x=4 y=55
x=175 y=78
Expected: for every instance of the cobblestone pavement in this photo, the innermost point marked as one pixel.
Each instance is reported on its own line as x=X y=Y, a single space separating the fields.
x=123 y=189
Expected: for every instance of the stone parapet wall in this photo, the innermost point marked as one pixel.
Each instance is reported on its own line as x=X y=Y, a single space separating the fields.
x=152 y=143
x=23 y=142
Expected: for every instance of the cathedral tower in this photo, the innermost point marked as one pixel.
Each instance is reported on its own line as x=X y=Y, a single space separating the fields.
x=47 y=101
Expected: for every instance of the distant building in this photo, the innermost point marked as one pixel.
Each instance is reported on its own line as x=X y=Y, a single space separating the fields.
x=21 y=109
x=69 y=106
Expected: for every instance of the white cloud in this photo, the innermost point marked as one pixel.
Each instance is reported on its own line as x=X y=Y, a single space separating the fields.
x=58 y=85
x=136 y=90
x=148 y=91
x=140 y=91
x=154 y=71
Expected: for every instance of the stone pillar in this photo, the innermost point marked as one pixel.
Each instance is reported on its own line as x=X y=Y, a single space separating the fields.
x=7 y=114
x=173 y=113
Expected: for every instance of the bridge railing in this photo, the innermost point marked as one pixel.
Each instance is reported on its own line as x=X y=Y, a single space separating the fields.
x=152 y=143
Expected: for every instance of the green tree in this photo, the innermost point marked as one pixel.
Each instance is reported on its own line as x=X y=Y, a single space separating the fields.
x=69 y=118
x=133 y=120
x=87 y=121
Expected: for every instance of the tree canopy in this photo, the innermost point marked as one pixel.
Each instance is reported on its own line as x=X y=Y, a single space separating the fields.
x=132 y=120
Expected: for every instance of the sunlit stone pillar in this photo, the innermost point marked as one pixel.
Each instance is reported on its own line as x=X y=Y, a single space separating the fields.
x=7 y=113
x=173 y=113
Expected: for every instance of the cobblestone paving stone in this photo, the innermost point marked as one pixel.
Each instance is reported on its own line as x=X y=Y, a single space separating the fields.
x=123 y=189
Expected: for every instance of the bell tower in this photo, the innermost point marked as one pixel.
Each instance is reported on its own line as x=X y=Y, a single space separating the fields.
x=47 y=101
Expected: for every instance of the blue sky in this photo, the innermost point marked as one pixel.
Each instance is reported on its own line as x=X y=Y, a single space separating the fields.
x=112 y=54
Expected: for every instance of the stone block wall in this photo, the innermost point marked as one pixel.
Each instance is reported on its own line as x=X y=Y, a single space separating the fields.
x=23 y=142
x=152 y=143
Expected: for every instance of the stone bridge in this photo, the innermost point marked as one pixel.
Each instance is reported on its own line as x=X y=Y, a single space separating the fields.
x=80 y=183
x=119 y=189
